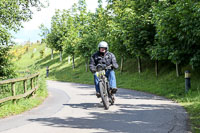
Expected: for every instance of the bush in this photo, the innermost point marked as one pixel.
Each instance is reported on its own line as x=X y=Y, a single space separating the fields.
x=41 y=53
x=32 y=55
x=6 y=66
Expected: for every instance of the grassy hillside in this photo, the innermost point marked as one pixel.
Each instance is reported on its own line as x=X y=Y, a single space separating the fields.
x=166 y=84
x=24 y=65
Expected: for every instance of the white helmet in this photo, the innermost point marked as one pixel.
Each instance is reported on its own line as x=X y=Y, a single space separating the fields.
x=103 y=44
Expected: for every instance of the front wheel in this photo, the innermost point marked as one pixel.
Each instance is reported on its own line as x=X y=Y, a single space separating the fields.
x=104 y=94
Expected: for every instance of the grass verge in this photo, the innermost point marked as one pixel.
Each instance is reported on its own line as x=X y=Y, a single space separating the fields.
x=25 y=104
x=24 y=58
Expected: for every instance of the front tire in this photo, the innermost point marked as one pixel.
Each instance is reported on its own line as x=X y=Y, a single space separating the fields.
x=104 y=94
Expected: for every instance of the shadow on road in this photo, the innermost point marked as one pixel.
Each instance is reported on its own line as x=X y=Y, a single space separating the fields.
x=132 y=94
x=127 y=119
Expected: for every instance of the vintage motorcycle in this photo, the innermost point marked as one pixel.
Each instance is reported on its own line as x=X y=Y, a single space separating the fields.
x=105 y=90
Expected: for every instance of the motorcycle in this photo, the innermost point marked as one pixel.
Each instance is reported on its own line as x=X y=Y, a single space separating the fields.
x=105 y=90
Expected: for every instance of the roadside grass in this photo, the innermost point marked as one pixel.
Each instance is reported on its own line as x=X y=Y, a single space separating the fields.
x=24 y=104
x=166 y=84
x=25 y=66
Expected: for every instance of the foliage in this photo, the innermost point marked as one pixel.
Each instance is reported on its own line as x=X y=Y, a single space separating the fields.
x=86 y=47
x=12 y=14
x=72 y=34
x=41 y=53
x=6 y=67
x=44 y=32
x=177 y=31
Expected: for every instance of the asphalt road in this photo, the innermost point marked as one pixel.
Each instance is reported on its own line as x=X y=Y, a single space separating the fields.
x=74 y=108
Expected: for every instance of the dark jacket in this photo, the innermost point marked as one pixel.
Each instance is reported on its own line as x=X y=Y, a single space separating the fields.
x=108 y=59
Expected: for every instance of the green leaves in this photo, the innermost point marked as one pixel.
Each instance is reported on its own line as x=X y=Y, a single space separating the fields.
x=5 y=36
x=159 y=30
x=177 y=27
x=12 y=14
x=6 y=67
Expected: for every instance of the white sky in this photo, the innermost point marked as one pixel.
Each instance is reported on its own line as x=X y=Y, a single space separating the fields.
x=31 y=28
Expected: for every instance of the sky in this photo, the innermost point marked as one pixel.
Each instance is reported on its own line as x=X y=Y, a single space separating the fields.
x=31 y=31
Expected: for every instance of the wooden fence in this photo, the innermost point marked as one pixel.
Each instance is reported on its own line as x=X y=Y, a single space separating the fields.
x=33 y=87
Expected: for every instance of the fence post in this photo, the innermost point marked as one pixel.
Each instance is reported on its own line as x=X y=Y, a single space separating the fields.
x=12 y=83
x=31 y=83
x=37 y=80
x=25 y=87
x=13 y=91
x=32 y=86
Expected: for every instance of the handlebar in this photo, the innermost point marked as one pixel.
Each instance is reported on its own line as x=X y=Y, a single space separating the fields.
x=100 y=67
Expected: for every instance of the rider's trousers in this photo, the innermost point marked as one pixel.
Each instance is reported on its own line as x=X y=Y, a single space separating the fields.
x=110 y=74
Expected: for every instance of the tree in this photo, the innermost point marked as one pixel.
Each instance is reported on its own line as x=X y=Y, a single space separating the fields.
x=117 y=33
x=6 y=67
x=135 y=28
x=83 y=47
x=58 y=31
x=12 y=14
x=87 y=46
x=44 y=33
x=156 y=30
x=72 y=35
x=177 y=26
x=141 y=30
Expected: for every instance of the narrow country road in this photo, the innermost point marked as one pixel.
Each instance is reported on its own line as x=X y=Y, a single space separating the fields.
x=74 y=108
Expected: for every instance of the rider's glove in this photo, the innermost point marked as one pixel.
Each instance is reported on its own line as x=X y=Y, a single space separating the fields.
x=103 y=66
x=109 y=67
x=93 y=69
x=100 y=67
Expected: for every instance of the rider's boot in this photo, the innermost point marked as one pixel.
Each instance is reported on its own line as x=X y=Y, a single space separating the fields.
x=98 y=94
x=113 y=98
x=114 y=90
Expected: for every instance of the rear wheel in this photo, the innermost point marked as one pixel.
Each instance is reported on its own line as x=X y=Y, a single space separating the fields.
x=104 y=94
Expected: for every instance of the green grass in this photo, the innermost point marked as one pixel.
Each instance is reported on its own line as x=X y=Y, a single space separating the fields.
x=8 y=108
x=166 y=84
x=24 y=64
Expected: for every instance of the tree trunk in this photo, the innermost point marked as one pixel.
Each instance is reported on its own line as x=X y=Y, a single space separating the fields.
x=51 y=54
x=86 y=64
x=68 y=59
x=177 y=70
x=73 y=66
x=156 y=67
x=61 y=56
x=139 y=65
x=122 y=61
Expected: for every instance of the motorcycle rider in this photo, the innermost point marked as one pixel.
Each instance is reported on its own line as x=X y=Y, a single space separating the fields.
x=105 y=58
